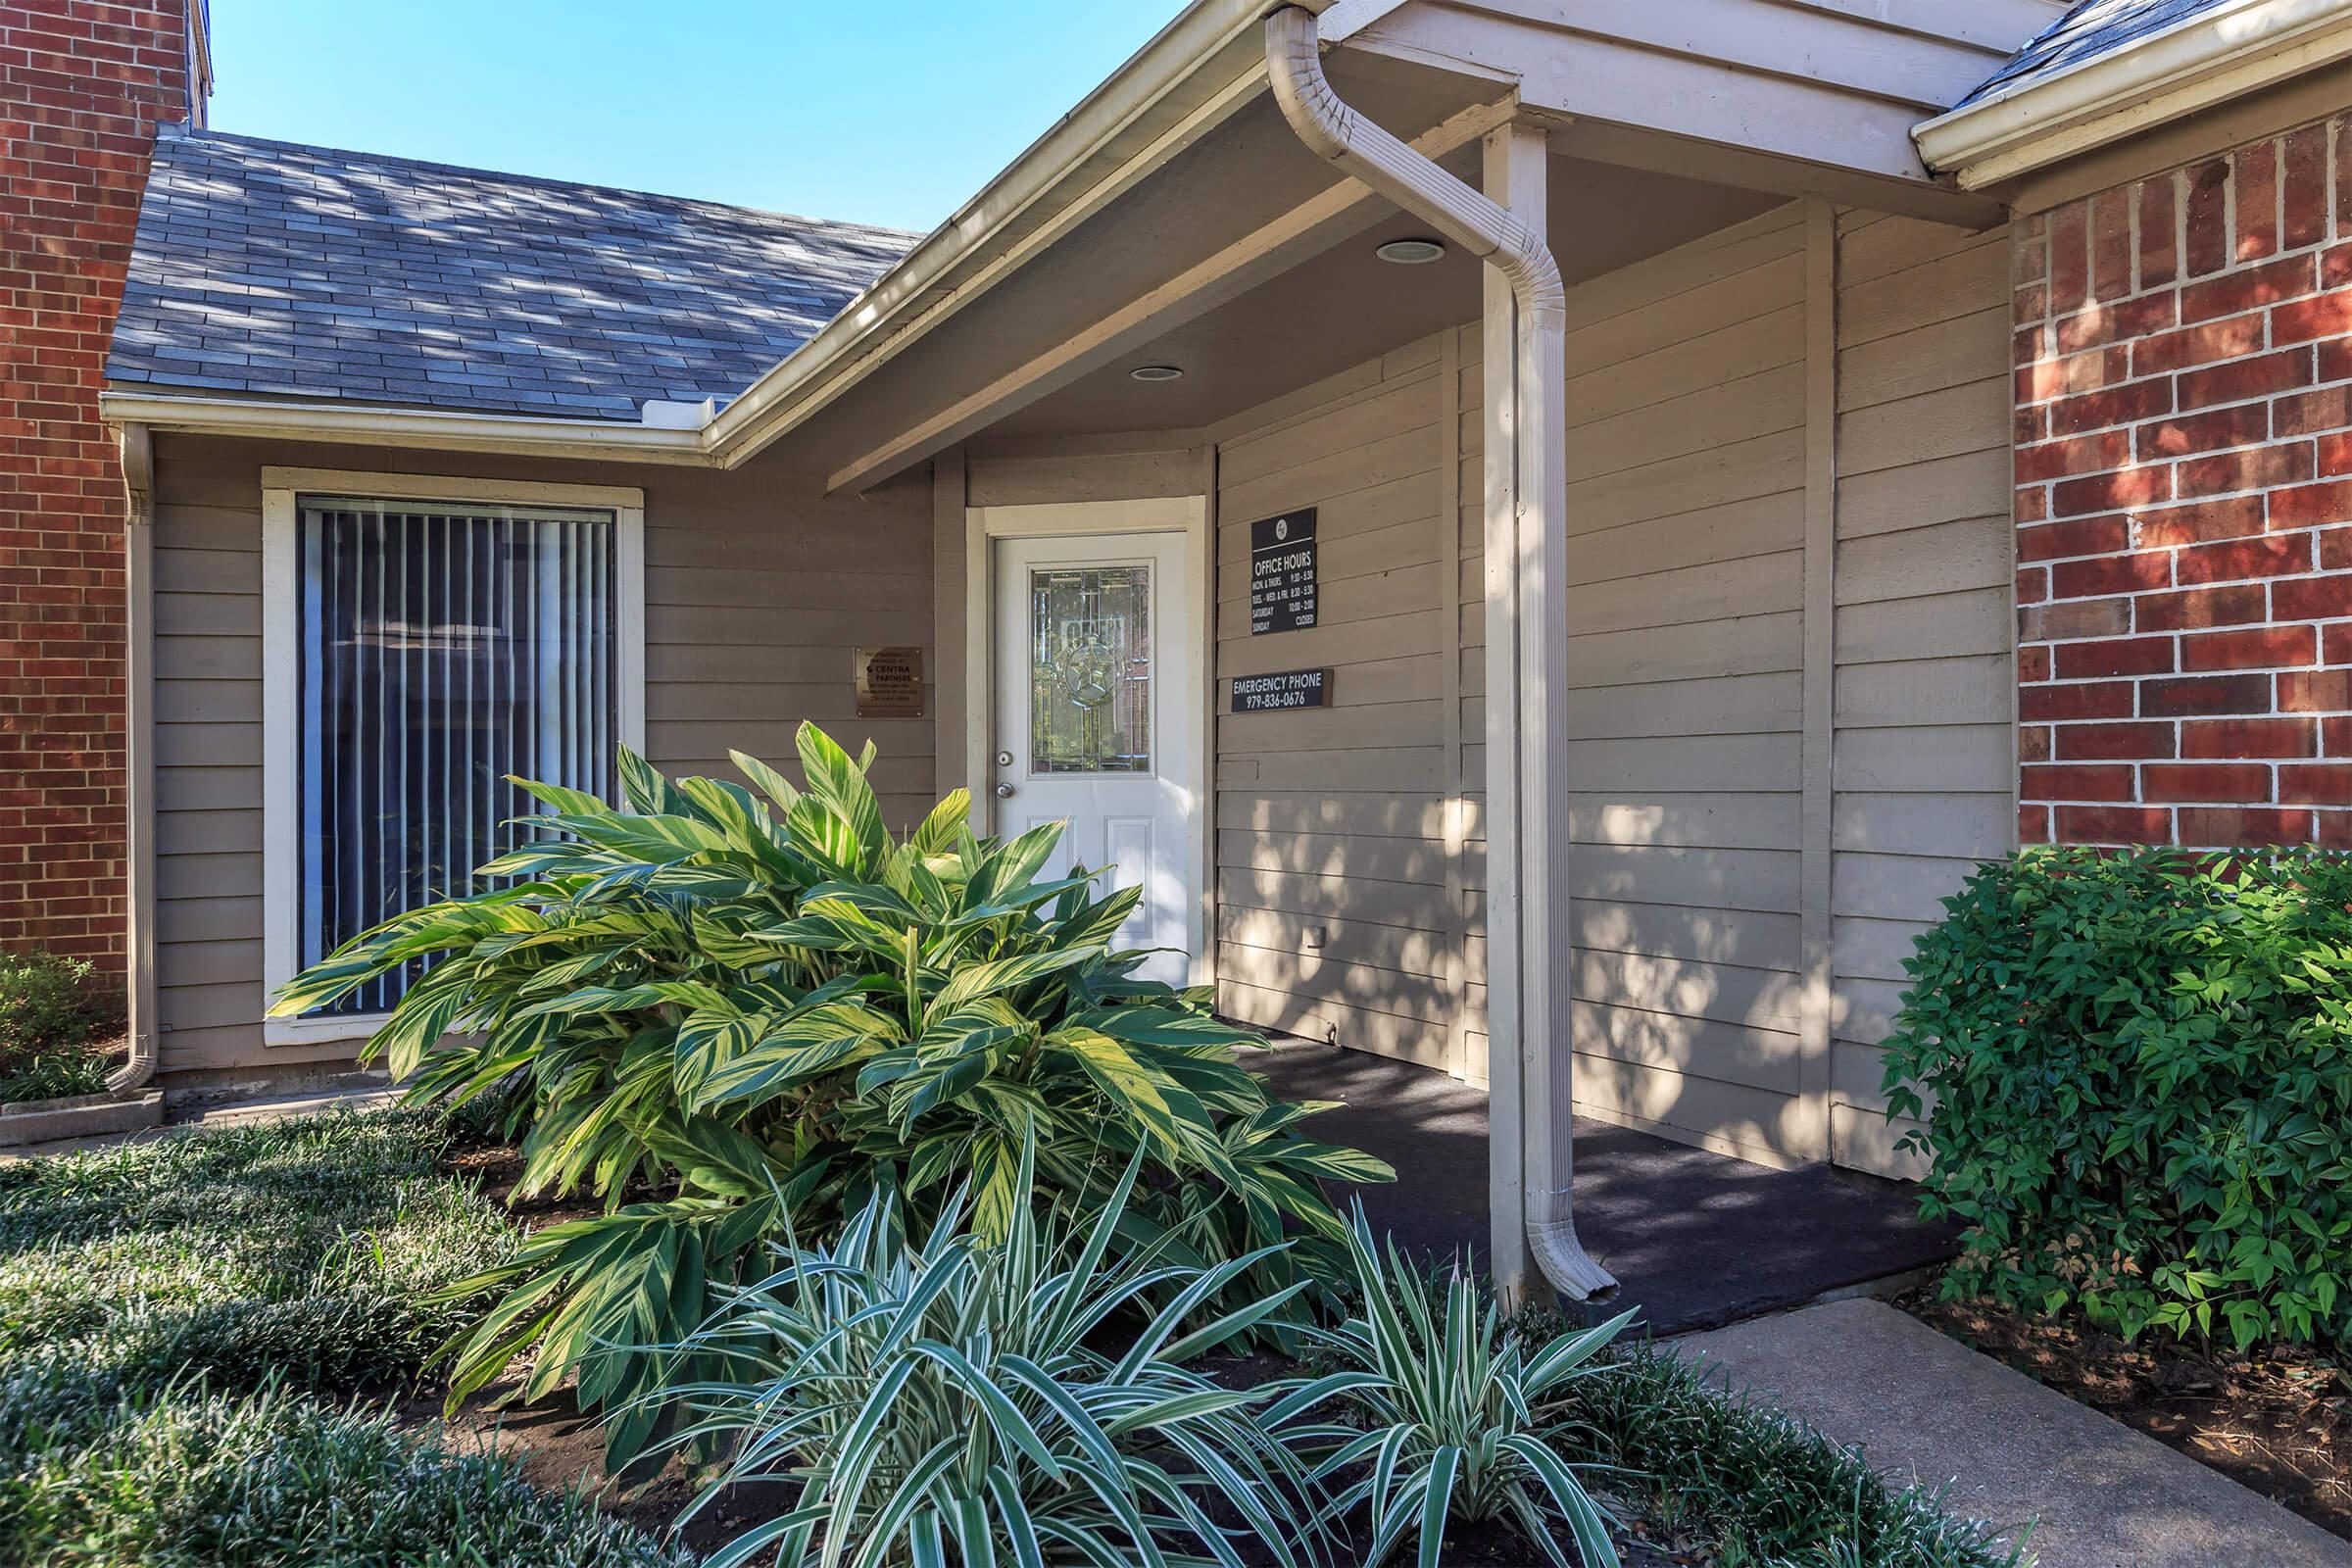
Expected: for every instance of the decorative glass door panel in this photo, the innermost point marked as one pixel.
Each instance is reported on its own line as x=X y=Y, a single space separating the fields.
x=1089 y=669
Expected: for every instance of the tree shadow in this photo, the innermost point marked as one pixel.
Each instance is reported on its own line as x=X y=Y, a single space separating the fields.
x=1695 y=1239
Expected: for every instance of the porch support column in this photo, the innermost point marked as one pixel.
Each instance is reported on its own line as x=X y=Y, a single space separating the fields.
x=1528 y=994
x=1516 y=181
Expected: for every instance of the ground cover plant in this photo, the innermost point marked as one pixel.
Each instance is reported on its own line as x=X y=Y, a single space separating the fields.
x=2140 y=1066
x=1741 y=1484
x=177 y=1476
x=180 y=1322
x=748 y=1009
x=310 y=1249
x=51 y=1013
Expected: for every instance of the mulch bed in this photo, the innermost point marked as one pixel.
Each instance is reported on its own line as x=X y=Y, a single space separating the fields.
x=2275 y=1419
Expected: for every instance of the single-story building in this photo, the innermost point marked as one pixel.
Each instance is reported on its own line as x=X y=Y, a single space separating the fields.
x=1774 y=455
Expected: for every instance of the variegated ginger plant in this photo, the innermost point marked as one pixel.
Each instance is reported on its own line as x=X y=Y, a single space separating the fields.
x=733 y=1012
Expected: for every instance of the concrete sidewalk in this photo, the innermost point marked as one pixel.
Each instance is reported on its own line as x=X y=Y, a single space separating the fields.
x=1928 y=1410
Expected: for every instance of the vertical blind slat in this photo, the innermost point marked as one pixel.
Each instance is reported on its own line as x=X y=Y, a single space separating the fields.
x=440 y=651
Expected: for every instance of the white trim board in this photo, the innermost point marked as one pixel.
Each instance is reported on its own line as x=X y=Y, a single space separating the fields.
x=1185 y=514
x=281 y=773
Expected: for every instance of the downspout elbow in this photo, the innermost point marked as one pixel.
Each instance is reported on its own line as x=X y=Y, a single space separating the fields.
x=1333 y=130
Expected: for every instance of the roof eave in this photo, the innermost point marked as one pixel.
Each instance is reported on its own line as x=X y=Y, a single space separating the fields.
x=436 y=429
x=2207 y=60
x=1018 y=214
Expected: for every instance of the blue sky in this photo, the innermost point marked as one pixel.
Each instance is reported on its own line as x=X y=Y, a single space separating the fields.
x=769 y=103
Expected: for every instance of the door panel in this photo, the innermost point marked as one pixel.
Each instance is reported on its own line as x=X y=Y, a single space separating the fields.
x=1096 y=680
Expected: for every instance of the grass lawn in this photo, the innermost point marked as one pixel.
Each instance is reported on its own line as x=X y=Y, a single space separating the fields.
x=202 y=1338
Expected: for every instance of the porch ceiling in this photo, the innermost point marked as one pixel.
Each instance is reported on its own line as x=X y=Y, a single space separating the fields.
x=1346 y=306
x=1248 y=262
x=1240 y=206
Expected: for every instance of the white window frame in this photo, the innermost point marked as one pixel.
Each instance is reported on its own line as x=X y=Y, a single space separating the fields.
x=282 y=682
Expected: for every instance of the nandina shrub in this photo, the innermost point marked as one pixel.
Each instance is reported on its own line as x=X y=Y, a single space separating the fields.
x=2141 y=1088
x=52 y=1008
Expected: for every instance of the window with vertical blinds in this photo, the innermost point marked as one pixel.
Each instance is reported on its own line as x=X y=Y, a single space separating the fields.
x=443 y=648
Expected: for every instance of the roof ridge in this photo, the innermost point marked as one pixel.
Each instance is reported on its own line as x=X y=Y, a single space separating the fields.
x=180 y=131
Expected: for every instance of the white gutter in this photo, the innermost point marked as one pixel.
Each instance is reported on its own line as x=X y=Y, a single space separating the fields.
x=439 y=429
x=1536 y=1132
x=138 y=756
x=1015 y=217
x=2207 y=60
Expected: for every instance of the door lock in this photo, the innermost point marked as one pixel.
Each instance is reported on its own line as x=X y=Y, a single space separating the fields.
x=1004 y=759
x=1003 y=792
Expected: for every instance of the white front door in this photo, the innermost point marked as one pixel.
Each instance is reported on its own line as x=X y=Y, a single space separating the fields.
x=1096 y=704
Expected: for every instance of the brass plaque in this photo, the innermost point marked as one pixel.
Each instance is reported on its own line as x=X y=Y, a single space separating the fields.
x=890 y=683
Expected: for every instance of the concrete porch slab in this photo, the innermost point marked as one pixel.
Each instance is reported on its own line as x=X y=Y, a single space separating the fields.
x=1930 y=1409
x=1695 y=1239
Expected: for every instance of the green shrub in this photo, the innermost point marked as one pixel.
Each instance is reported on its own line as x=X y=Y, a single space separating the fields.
x=1441 y=1398
x=308 y=1249
x=767 y=1011
x=945 y=1403
x=49 y=1012
x=2141 y=1071
x=181 y=1478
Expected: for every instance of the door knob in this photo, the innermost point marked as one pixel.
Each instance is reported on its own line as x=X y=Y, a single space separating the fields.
x=1003 y=792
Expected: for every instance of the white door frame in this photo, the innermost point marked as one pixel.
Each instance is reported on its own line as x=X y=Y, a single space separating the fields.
x=983 y=526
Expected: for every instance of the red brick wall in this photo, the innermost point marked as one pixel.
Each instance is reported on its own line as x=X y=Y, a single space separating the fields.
x=2184 y=505
x=82 y=86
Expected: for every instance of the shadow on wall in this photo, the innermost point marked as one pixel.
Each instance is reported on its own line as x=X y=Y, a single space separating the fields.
x=1670 y=971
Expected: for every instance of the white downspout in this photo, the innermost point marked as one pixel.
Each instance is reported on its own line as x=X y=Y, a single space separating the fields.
x=1540 y=1127
x=138 y=756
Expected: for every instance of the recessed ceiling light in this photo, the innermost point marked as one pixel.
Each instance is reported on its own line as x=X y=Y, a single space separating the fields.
x=1411 y=252
x=1157 y=372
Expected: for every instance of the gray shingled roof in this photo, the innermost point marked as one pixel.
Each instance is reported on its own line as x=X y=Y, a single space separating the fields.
x=267 y=267
x=2090 y=29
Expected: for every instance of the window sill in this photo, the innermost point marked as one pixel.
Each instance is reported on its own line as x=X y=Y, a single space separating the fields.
x=354 y=1030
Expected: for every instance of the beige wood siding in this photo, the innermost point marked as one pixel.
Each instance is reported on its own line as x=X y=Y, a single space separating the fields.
x=1687 y=508
x=752 y=605
x=1332 y=846
x=1692 y=377
x=1923 y=770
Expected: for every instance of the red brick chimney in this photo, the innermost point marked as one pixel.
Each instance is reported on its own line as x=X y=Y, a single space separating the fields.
x=82 y=86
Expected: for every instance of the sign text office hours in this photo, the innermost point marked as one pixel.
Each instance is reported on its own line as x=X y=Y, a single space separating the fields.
x=1283 y=577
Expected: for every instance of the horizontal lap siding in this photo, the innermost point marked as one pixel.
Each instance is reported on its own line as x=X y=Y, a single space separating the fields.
x=1336 y=819
x=1924 y=692
x=1686 y=515
x=751 y=611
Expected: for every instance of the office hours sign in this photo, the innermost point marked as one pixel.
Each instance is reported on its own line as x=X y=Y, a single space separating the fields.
x=1281 y=572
